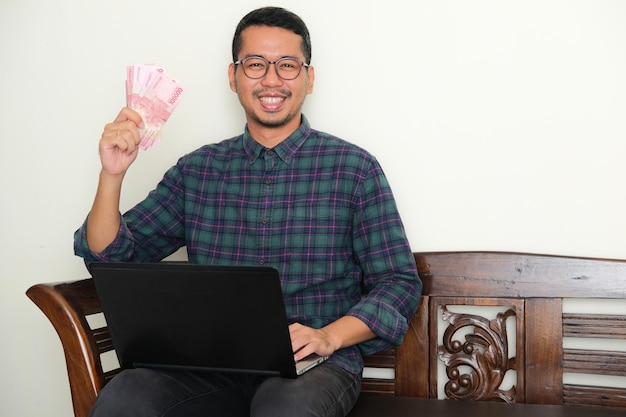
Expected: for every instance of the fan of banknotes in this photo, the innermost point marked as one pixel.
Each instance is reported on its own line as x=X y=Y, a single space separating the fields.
x=154 y=95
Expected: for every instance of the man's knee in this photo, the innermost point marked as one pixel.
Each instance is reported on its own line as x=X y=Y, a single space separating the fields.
x=326 y=391
x=145 y=392
x=131 y=392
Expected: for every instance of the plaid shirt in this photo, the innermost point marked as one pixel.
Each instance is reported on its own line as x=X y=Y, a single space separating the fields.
x=315 y=207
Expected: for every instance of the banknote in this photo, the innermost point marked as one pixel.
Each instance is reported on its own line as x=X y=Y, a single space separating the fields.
x=154 y=95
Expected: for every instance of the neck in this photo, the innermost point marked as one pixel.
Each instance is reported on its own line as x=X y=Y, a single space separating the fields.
x=270 y=136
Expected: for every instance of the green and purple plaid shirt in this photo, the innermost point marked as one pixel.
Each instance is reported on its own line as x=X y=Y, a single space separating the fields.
x=315 y=207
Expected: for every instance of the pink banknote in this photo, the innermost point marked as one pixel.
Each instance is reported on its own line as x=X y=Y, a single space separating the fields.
x=154 y=95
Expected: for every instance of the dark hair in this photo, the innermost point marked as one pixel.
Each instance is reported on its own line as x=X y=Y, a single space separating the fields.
x=273 y=17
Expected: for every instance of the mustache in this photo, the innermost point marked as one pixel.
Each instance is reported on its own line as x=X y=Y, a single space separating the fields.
x=280 y=91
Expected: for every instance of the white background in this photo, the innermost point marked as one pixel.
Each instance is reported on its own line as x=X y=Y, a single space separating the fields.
x=500 y=125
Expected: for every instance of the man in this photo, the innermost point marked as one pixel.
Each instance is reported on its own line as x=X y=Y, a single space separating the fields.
x=313 y=206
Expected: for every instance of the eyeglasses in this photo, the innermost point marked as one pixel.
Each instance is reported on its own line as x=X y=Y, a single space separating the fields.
x=256 y=67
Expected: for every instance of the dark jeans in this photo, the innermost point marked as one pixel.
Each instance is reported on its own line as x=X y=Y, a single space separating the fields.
x=324 y=391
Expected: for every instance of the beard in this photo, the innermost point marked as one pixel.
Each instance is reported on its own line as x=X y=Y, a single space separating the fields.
x=277 y=119
x=269 y=121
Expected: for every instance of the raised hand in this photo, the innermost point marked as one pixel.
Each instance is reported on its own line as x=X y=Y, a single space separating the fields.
x=119 y=142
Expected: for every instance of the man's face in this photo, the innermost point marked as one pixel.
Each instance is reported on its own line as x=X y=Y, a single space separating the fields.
x=270 y=101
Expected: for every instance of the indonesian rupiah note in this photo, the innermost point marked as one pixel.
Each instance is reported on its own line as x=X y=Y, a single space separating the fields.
x=154 y=95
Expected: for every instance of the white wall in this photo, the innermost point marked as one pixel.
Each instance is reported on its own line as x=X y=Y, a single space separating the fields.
x=500 y=125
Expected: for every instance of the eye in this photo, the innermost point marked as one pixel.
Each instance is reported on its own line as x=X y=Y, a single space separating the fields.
x=255 y=64
x=289 y=65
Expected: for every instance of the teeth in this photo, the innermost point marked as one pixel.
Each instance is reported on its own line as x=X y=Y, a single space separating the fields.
x=271 y=100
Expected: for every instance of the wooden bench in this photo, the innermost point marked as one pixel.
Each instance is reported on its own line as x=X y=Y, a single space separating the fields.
x=496 y=331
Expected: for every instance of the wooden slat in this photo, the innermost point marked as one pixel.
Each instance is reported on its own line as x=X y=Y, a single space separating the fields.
x=110 y=374
x=433 y=344
x=373 y=386
x=594 y=362
x=103 y=339
x=594 y=325
x=599 y=396
x=383 y=359
x=412 y=363
x=485 y=274
x=544 y=351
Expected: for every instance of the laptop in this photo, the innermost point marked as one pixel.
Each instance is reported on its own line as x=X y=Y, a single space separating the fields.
x=197 y=317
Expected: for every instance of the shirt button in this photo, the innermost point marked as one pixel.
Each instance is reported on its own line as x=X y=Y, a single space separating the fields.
x=268 y=181
x=261 y=262
x=264 y=221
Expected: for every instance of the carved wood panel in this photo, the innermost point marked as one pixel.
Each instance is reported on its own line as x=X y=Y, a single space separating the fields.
x=475 y=351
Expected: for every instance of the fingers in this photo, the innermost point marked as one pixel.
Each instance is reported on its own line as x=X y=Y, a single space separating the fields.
x=122 y=135
x=129 y=114
x=306 y=340
x=123 y=132
x=125 y=140
x=119 y=143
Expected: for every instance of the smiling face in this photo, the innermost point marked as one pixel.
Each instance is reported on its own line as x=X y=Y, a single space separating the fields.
x=273 y=106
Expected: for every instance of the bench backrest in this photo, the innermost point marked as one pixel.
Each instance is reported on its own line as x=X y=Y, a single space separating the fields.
x=528 y=290
x=529 y=338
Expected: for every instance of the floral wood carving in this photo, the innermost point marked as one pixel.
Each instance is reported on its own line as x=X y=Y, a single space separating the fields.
x=484 y=356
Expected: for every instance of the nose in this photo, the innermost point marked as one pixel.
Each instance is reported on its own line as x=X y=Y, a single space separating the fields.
x=271 y=77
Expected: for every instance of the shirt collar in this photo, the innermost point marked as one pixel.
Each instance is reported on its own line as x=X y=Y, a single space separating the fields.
x=285 y=149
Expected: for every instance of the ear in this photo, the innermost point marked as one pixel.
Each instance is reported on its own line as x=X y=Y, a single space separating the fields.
x=310 y=80
x=231 y=77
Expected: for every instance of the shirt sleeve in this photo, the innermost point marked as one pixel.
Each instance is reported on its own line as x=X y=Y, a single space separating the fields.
x=120 y=249
x=393 y=287
x=148 y=232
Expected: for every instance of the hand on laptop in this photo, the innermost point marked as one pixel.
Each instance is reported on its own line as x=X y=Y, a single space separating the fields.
x=346 y=331
x=307 y=340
